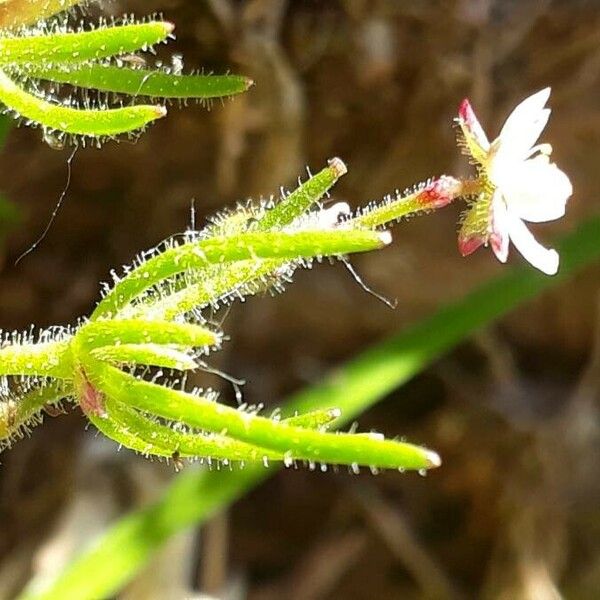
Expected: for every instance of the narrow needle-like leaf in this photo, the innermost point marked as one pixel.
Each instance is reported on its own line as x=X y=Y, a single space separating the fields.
x=199 y=255
x=155 y=355
x=141 y=82
x=186 y=445
x=303 y=197
x=136 y=331
x=95 y=123
x=295 y=442
x=82 y=46
x=15 y=414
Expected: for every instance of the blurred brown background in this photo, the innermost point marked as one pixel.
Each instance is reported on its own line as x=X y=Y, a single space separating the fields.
x=514 y=512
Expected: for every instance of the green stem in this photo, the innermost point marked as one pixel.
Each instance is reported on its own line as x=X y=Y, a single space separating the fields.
x=51 y=359
x=15 y=414
x=430 y=196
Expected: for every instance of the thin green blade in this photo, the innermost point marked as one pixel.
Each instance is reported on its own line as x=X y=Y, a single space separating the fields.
x=142 y=82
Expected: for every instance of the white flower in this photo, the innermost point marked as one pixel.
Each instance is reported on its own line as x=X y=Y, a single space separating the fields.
x=518 y=183
x=322 y=218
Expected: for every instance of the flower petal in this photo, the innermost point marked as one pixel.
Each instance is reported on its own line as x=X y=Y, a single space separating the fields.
x=329 y=218
x=536 y=190
x=524 y=126
x=544 y=259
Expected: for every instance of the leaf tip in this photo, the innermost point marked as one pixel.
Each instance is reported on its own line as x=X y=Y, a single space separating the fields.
x=338 y=166
x=433 y=459
x=169 y=27
x=160 y=112
x=385 y=237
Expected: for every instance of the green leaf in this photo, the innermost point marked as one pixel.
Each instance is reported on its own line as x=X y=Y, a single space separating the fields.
x=141 y=82
x=296 y=443
x=303 y=197
x=195 y=496
x=165 y=441
x=82 y=46
x=132 y=331
x=155 y=355
x=315 y=419
x=221 y=250
x=96 y=123
x=216 y=282
x=50 y=359
x=161 y=440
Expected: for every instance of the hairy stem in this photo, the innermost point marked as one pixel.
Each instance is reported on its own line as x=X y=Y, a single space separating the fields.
x=16 y=413
x=51 y=359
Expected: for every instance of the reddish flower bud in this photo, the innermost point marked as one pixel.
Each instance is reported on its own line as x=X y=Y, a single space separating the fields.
x=440 y=192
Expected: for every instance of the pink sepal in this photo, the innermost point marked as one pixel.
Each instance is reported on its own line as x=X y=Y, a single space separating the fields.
x=468 y=245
